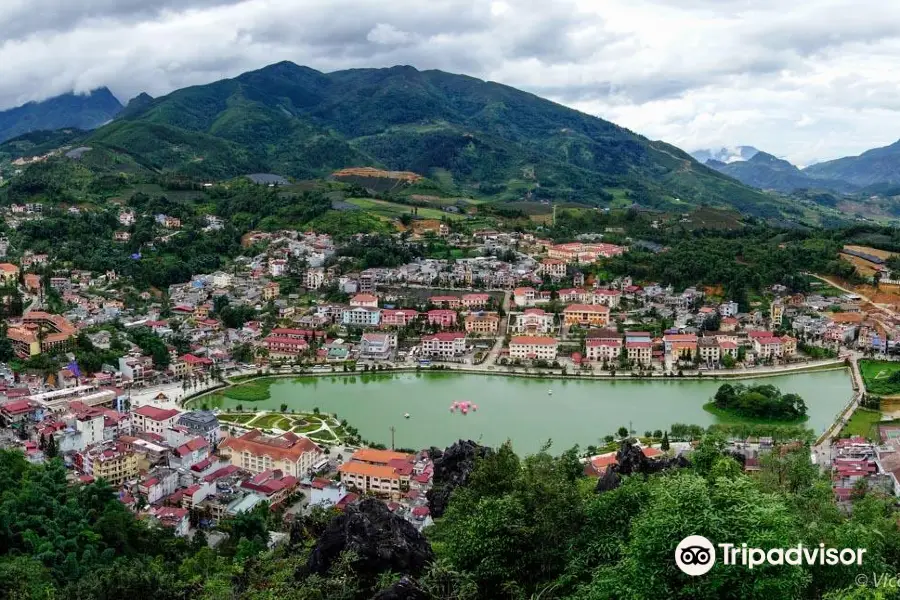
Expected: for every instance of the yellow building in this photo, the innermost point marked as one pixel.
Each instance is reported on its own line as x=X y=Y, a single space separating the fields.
x=115 y=465
x=484 y=323
x=586 y=314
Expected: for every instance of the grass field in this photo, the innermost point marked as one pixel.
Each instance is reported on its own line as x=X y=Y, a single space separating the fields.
x=253 y=391
x=391 y=210
x=864 y=423
x=267 y=421
x=730 y=418
x=877 y=376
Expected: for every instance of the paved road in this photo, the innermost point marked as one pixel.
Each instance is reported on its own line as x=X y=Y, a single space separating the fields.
x=822 y=450
x=491 y=359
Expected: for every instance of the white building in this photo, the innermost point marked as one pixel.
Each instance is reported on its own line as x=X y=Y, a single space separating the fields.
x=532 y=321
x=444 y=345
x=533 y=347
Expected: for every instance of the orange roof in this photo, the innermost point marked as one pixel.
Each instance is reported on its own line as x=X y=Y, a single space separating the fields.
x=286 y=447
x=9 y=268
x=372 y=455
x=597 y=308
x=532 y=340
x=360 y=468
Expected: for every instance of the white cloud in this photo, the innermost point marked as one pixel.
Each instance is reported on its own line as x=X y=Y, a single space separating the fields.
x=808 y=81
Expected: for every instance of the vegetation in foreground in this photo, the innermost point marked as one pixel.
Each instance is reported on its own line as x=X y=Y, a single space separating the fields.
x=521 y=528
x=881 y=377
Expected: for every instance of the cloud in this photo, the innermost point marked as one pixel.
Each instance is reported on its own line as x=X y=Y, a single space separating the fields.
x=809 y=81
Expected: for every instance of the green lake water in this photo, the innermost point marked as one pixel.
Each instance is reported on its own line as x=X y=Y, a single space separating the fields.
x=578 y=412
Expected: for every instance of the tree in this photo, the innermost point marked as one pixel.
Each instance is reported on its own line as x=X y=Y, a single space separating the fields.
x=622 y=432
x=664 y=446
x=284 y=407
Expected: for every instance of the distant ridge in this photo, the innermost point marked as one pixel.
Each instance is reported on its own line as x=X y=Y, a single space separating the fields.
x=81 y=111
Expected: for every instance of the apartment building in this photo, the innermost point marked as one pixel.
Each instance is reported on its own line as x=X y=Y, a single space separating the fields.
x=533 y=347
x=257 y=452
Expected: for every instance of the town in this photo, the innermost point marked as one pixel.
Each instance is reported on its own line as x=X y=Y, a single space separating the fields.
x=114 y=383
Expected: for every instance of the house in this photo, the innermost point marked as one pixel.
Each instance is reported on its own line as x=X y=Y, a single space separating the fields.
x=444 y=345
x=482 y=323
x=364 y=300
x=360 y=316
x=159 y=483
x=442 y=317
x=324 y=492
x=115 y=464
x=257 y=452
x=174 y=518
x=272 y=485
x=533 y=347
x=525 y=296
x=377 y=346
x=586 y=314
x=533 y=321
x=151 y=419
x=575 y=295
x=709 y=350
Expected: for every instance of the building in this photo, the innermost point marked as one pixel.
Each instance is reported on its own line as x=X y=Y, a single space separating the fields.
x=475 y=301
x=9 y=273
x=364 y=300
x=451 y=302
x=607 y=348
x=482 y=323
x=115 y=464
x=284 y=346
x=90 y=424
x=533 y=347
x=366 y=283
x=151 y=419
x=442 y=317
x=377 y=346
x=257 y=452
x=709 y=350
x=398 y=317
x=203 y=423
x=190 y=453
x=444 y=345
x=531 y=322
x=578 y=252
x=41 y=332
x=680 y=345
x=610 y=298
x=586 y=314
x=639 y=352
x=553 y=268
x=360 y=316
x=380 y=472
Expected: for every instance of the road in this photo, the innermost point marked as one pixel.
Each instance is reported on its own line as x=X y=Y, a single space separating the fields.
x=882 y=307
x=491 y=359
x=822 y=449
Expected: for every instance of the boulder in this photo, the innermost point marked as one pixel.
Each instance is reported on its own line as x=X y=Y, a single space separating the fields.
x=630 y=460
x=381 y=540
x=405 y=589
x=452 y=468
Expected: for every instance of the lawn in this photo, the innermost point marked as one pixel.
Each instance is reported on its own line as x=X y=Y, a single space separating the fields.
x=730 y=418
x=267 y=421
x=879 y=376
x=253 y=391
x=864 y=423
x=239 y=418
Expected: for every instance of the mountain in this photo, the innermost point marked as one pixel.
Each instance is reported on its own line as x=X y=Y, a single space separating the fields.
x=81 y=111
x=466 y=135
x=725 y=155
x=880 y=165
x=138 y=103
x=768 y=172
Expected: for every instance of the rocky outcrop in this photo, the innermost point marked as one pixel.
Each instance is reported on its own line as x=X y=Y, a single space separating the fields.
x=405 y=589
x=381 y=540
x=630 y=460
x=452 y=468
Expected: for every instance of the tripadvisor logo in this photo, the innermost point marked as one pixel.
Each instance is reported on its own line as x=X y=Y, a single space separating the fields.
x=696 y=555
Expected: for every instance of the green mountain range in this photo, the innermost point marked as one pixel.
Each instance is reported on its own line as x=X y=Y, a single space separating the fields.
x=876 y=166
x=468 y=136
x=81 y=111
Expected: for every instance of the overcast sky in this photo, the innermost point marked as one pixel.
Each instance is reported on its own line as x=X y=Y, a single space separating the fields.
x=807 y=81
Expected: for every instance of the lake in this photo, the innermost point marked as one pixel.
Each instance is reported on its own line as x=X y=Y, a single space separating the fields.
x=520 y=409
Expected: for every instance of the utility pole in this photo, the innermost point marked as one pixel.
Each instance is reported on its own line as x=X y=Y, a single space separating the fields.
x=393 y=430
